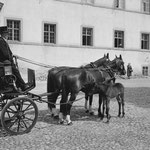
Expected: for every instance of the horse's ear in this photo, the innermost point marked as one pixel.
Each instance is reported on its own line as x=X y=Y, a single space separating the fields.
x=104 y=55
x=120 y=57
x=116 y=56
x=107 y=55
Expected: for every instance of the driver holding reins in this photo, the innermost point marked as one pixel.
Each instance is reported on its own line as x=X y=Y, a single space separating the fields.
x=6 y=54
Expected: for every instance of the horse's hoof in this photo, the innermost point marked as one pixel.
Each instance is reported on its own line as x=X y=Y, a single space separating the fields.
x=99 y=119
x=56 y=117
x=70 y=123
x=60 y=122
x=87 y=111
x=100 y=116
x=92 y=113
x=107 y=121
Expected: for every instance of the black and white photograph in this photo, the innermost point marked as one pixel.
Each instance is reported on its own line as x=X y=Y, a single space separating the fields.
x=74 y=74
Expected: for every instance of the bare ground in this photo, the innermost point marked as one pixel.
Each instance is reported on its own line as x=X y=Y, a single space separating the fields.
x=87 y=132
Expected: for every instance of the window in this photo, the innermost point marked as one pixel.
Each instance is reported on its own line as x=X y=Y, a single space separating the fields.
x=87 y=36
x=145 y=41
x=14 y=30
x=119 y=39
x=50 y=33
x=145 y=70
x=87 y=1
x=146 y=6
x=119 y=4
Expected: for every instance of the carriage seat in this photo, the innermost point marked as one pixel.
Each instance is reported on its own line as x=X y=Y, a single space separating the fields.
x=5 y=63
x=5 y=68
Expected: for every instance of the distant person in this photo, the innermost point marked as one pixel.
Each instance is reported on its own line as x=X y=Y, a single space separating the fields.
x=129 y=70
x=6 y=54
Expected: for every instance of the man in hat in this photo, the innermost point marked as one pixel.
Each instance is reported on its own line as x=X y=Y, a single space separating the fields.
x=6 y=54
x=129 y=70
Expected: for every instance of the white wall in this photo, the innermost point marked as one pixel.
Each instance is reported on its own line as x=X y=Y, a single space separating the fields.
x=69 y=18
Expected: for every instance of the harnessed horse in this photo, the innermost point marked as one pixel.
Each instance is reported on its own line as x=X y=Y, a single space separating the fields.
x=82 y=79
x=54 y=81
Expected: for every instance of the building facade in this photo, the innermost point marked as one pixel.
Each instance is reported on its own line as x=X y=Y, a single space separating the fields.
x=76 y=32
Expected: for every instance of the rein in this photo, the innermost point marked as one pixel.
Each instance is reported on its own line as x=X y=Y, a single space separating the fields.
x=121 y=77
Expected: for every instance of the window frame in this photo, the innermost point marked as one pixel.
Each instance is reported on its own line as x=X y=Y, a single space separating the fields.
x=13 y=29
x=147 y=6
x=148 y=42
x=55 y=33
x=92 y=36
x=118 y=39
x=145 y=70
x=119 y=4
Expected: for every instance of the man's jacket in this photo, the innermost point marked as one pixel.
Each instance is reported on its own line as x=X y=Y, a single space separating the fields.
x=5 y=52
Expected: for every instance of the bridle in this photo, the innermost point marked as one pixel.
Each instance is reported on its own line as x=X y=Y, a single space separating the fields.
x=116 y=65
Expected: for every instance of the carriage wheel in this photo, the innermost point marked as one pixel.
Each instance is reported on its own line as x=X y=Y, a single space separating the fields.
x=19 y=115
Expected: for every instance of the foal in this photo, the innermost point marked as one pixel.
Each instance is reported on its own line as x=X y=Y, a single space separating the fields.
x=110 y=90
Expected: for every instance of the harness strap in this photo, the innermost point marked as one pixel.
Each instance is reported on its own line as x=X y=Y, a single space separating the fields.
x=93 y=65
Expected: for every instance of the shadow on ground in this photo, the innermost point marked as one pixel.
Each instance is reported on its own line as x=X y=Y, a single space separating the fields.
x=77 y=113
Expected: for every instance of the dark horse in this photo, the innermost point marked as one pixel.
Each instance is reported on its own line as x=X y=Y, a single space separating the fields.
x=81 y=79
x=54 y=81
x=109 y=90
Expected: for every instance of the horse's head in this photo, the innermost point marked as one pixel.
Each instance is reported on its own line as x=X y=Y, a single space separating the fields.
x=102 y=61
x=118 y=65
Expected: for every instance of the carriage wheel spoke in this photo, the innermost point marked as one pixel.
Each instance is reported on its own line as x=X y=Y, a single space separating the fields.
x=27 y=108
x=20 y=105
x=18 y=125
x=11 y=110
x=15 y=106
x=12 y=123
x=24 y=123
x=29 y=119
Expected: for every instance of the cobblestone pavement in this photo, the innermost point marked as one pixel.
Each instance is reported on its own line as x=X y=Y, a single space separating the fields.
x=88 y=132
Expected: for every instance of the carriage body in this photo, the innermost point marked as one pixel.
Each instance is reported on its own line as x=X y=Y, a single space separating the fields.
x=7 y=79
x=15 y=105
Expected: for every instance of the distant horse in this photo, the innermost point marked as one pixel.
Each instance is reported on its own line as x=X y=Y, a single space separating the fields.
x=109 y=90
x=81 y=79
x=54 y=81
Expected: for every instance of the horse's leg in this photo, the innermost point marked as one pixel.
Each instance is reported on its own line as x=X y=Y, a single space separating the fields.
x=86 y=101
x=53 y=97
x=63 y=103
x=122 y=102
x=119 y=104
x=107 y=109
x=51 y=104
x=104 y=107
x=99 y=108
x=90 y=105
x=68 y=107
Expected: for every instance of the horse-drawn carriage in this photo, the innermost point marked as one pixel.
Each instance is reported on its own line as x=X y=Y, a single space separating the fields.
x=18 y=109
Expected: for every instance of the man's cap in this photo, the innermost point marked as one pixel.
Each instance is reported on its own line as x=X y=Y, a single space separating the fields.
x=3 y=29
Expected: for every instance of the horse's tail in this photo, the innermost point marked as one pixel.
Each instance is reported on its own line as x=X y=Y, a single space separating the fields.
x=64 y=87
x=50 y=89
x=50 y=84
